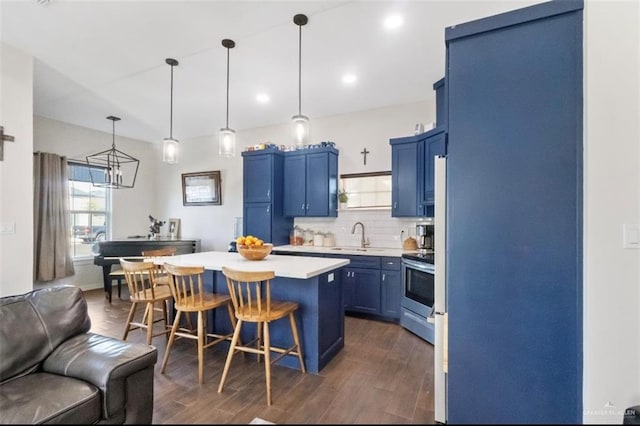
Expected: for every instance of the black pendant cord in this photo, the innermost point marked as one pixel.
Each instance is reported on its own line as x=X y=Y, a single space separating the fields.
x=171 y=107
x=227 y=126
x=113 y=134
x=300 y=70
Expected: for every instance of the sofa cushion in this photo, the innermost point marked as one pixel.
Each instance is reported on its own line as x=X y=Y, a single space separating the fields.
x=34 y=324
x=48 y=398
x=106 y=362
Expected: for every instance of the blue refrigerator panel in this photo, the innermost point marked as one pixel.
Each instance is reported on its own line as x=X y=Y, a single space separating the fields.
x=514 y=209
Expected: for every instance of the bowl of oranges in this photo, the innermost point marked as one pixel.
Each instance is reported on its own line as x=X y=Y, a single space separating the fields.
x=253 y=248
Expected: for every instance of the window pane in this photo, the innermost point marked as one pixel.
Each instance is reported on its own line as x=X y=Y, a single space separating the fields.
x=367 y=190
x=89 y=215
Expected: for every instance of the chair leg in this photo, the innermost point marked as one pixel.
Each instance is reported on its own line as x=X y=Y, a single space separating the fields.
x=259 y=340
x=296 y=340
x=200 y=347
x=127 y=328
x=267 y=360
x=232 y=349
x=119 y=287
x=149 y=322
x=176 y=323
x=165 y=315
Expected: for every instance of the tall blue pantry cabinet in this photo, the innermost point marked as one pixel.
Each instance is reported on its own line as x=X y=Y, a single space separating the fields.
x=514 y=216
x=263 y=196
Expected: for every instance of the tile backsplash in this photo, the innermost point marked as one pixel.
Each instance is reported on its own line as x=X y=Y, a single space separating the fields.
x=380 y=228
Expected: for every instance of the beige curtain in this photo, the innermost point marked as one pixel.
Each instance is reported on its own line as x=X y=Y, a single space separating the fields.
x=52 y=246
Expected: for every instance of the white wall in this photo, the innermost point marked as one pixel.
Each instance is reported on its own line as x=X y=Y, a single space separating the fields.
x=612 y=198
x=130 y=207
x=351 y=133
x=16 y=171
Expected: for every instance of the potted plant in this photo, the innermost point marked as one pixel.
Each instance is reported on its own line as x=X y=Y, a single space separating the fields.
x=343 y=197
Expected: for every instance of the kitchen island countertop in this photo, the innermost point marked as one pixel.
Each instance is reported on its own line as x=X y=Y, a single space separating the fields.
x=283 y=266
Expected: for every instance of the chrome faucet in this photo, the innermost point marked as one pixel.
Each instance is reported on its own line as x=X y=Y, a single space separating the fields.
x=363 y=244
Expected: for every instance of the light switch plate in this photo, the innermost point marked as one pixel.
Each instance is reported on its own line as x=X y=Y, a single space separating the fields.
x=631 y=236
x=7 y=227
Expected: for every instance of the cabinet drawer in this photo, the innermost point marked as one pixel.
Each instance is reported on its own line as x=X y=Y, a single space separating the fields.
x=390 y=263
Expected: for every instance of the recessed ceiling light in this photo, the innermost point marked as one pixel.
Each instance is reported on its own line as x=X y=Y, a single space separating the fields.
x=262 y=98
x=393 y=21
x=349 y=78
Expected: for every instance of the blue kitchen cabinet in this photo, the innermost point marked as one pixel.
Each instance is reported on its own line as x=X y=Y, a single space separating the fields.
x=433 y=146
x=390 y=287
x=412 y=171
x=366 y=290
x=405 y=177
x=262 y=181
x=441 y=104
x=514 y=231
x=258 y=177
x=311 y=183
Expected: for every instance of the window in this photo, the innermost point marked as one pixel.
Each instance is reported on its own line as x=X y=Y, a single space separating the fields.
x=367 y=190
x=89 y=209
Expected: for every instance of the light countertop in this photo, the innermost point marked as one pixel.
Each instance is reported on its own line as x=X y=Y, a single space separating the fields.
x=283 y=266
x=368 y=251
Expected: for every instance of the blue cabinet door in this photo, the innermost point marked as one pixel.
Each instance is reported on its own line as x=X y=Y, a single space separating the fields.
x=258 y=178
x=258 y=220
x=433 y=146
x=366 y=291
x=405 y=180
x=331 y=312
x=391 y=288
x=317 y=185
x=295 y=167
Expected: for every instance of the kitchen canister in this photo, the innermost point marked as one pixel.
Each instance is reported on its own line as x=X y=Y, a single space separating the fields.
x=329 y=240
x=318 y=239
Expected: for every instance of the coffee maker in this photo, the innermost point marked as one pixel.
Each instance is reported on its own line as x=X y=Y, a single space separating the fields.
x=425 y=237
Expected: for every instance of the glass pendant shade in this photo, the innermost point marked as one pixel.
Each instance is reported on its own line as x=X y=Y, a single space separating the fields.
x=227 y=143
x=170 y=150
x=300 y=130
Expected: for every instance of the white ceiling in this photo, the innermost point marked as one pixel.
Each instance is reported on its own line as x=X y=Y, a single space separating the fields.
x=100 y=58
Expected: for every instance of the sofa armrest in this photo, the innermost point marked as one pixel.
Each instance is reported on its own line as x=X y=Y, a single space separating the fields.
x=108 y=364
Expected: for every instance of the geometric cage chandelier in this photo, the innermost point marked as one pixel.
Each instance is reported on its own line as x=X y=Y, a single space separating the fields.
x=113 y=168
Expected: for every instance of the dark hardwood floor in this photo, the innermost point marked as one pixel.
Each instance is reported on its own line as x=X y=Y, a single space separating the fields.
x=383 y=375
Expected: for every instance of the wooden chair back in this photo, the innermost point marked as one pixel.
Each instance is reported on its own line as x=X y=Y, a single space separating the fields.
x=186 y=286
x=250 y=293
x=164 y=251
x=140 y=278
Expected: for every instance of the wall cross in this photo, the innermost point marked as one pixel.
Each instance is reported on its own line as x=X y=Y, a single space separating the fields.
x=3 y=138
x=364 y=152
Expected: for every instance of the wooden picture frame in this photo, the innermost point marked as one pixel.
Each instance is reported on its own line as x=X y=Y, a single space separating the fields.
x=173 y=230
x=201 y=189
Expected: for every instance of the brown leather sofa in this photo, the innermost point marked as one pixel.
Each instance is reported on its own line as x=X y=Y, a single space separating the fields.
x=53 y=370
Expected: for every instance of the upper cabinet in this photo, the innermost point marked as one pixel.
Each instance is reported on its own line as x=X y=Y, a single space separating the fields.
x=412 y=164
x=258 y=178
x=311 y=182
x=441 y=104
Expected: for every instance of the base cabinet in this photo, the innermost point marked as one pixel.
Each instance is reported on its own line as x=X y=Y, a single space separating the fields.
x=364 y=290
x=390 y=287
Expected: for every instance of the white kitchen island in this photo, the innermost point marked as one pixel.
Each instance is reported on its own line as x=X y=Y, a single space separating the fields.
x=313 y=282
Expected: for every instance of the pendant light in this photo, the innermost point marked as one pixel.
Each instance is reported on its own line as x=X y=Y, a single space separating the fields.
x=227 y=135
x=300 y=122
x=113 y=168
x=170 y=146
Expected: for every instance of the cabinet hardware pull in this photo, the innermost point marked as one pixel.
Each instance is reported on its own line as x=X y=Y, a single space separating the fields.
x=268 y=192
x=268 y=209
x=302 y=207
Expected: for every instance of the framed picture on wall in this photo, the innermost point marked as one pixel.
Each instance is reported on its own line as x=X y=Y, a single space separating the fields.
x=201 y=189
x=174 y=229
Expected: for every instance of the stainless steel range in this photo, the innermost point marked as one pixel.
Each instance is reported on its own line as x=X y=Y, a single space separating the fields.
x=416 y=304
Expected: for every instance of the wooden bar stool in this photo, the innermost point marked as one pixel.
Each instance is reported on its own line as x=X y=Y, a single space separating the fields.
x=140 y=280
x=189 y=296
x=252 y=303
